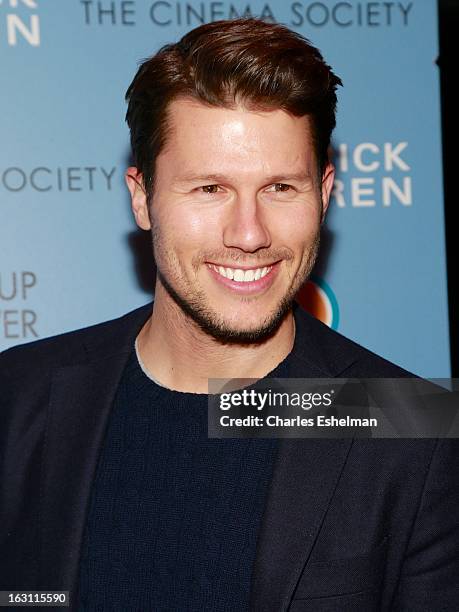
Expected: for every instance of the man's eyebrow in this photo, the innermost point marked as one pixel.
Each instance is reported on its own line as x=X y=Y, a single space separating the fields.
x=190 y=178
x=221 y=178
x=295 y=176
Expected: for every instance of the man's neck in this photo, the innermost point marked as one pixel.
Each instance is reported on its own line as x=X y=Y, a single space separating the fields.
x=181 y=356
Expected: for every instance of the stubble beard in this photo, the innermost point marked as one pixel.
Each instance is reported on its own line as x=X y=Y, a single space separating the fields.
x=194 y=303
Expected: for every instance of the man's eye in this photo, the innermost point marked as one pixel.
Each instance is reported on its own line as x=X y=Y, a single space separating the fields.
x=281 y=187
x=209 y=188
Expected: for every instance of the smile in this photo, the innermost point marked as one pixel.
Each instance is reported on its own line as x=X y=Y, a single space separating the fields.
x=239 y=275
x=244 y=281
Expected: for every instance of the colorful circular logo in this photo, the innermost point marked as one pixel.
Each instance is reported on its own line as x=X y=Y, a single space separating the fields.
x=317 y=298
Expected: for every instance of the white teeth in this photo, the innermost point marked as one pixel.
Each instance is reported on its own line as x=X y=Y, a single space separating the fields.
x=242 y=276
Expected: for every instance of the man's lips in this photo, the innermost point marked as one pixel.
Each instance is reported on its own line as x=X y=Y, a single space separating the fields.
x=233 y=267
x=244 y=279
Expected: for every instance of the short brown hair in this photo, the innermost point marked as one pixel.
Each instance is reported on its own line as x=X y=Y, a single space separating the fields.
x=247 y=61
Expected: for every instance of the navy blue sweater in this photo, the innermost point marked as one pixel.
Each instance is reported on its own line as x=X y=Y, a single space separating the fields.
x=174 y=516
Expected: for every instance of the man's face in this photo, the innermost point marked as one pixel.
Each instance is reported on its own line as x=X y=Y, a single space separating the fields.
x=235 y=216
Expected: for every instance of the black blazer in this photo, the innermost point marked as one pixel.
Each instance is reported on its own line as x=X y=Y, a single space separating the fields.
x=349 y=525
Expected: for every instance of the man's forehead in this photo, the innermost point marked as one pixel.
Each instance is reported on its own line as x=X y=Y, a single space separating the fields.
x=189 y=112
x=274 y=139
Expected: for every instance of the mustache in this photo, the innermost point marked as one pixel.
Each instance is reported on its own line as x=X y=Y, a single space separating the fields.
x=235 y=256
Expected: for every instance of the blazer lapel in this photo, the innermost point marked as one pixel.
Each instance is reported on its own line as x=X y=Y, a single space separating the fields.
x=304 y=479
x=305 y=475
x=80 y=402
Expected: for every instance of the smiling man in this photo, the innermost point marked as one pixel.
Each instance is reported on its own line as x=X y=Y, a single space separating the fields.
x=113 y=489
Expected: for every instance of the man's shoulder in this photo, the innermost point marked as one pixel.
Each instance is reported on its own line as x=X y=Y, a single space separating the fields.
x=336 y=355
x=71 y=347
x=325 y=349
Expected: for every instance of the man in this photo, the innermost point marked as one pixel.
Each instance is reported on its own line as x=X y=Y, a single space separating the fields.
x=112 y=488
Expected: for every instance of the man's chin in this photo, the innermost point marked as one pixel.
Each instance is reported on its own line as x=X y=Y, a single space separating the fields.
x=229 y=331
x=238 y=332
x=230 y=334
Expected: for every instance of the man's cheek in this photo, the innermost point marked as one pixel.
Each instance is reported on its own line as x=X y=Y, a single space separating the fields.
x=204 y=226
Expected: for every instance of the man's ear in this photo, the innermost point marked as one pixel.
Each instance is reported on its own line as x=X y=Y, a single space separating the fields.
x=328 y=178
x=134 y=182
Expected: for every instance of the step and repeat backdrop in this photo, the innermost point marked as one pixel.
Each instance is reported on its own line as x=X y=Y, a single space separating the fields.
x=71 y=254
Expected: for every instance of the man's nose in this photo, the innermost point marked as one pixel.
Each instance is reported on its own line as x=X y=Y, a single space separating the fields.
x=246 y=226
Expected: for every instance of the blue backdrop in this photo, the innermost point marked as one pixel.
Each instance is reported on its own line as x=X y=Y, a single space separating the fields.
x=68 y=241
